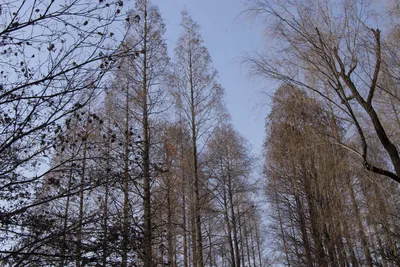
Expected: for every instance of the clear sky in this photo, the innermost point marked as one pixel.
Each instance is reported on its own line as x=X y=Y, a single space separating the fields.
x=228 y=36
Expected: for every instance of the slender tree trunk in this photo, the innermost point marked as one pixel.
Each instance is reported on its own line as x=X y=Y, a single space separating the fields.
x=241 y=234
x=184 y=185
x=313 y=196
x=210 y=251
x=337 y=219
x=65 y=222
x=302 y=221
x=227 y=223
x=329 y=245
x=364 y=240
x=193 y=231
x=346 y=233
x=293 y=233
x=233 y=215
x=353 y=259
x=285 y=246
x=385 y=208
x=184 y=228
x=125 y=224
x=341 y=251
x=253 y=249
x=81 y=202
x=170 y=234
x=199 y=243
x=146 y=156
x=258 y=238
x=105 y=210
x=246 y=238
x=105 y=222
x=175 y=252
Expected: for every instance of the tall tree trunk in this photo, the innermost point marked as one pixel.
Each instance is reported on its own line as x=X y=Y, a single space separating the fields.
x=233 y=215
x=361 y=231
x=253 y=249
x=184 y=222
x=210 y=251
x=285 y=246
x=246 y=239
x=105 y=222
x=125 y=224
x=170 y=234
x=386 y=208
x=293 y=233
x=193 y=227
x=65 y=222
x=313 y=197
x=302 y=221
x=184 y=228
x=227 y=223
x=81 y=200
x=258 y=239
x=241 y=234
x=146 y=156
x=346 y=233
x=105 y=210
x=199 y=242
x=353 y=259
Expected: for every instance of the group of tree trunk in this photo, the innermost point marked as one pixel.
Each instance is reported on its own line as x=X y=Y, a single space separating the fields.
x=127 y=159
x=332 y=145
x=327 y=210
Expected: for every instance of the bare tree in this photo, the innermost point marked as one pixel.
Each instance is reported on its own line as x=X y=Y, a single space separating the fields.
x=51 y=51
x=336 y=51
x=146 y=72
x=229 y=164
x=199 y=98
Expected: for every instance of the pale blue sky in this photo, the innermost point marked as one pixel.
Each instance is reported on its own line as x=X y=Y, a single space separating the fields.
x=228 y=36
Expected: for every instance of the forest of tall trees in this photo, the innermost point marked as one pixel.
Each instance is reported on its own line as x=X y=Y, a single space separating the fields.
x=331 y=155
x=115 y=152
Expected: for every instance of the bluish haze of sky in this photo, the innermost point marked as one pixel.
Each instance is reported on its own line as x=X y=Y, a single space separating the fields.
x=228 y=36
